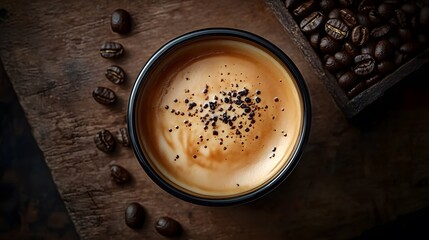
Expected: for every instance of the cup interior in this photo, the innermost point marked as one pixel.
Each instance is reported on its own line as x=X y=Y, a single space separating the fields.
x=180 y=74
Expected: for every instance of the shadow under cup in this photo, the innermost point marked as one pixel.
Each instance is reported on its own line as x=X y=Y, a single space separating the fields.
x=219 y=117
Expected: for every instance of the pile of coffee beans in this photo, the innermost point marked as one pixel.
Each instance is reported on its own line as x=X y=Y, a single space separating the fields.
x=361 y=42
x=105 y=141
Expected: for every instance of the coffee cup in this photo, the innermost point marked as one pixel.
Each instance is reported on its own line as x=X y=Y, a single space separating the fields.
x=219 y=117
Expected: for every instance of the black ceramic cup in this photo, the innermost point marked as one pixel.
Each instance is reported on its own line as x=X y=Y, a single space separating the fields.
x=219 y=117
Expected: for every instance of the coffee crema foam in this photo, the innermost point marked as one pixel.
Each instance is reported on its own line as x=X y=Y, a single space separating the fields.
x=219 y=117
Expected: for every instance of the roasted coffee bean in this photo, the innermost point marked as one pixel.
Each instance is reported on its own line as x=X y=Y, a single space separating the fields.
x=380 y=31
x=315 y=40
x=120 y=21
x=368 y=48
x=348 y=80
x=168 y=227
x=134 y=215
x=291 y=3
x=104 y=95
x=348 y=17
x=373 y=16
x=372 y=80
x=104 y=141
x=364 y=64
x=409 y=8
x=346 y=3
x=327 y=5
x=424 y=17
x=336 y=29
x=366 y=6
x=122 y=137
x=119 y=174
x=410 y=48
x=386 y=10
x=383 y=50
x=351 y=49
x=343 y=58
x=312 y=22
x=332 y=65
x=400 y=58
x=115 y=74
x=360 y=87
x=111 y=50
x=395 y=40
x=406 y=34
x=401 y=18
x=304 y=9
x=422 y=39
x=328 y=45
x=334 y=13
x=360 y=35
x=363 y=19
x=386 y=67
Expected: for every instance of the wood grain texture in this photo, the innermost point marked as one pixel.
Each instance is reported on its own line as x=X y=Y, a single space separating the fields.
x=349 y=179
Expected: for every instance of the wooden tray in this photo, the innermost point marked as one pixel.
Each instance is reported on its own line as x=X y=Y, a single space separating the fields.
x=350 y=107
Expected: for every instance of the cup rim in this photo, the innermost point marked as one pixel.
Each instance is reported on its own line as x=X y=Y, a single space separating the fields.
x=280 y=176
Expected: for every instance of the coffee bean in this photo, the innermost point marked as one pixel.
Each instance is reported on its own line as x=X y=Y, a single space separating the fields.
x=360 y=35
x=360 y=87
x=312 y=22
x=315 y=40
x=134 y=215
x=119 y=174
x=364 y=64
x=104 y=141
x=291 y=3
x=385 y=67
x=366 y=6
x=104 y=95
x=368 y=48
x=328 y=45
x=336 y=29
x=346 y=3
x=122 y=137
x=326 y=5
x=111 y=50
x=395 y=40
x=380 y=31
x=115 y=74
x=120 y=21
x=409 y=8
x=401 y=18
x=343 y=58
x=351 y=49
x=410 y=48
x=424 y=17
x=332 y=65
x=386 y=10
x=363 y=19
x=334 y=13
x=168 y=227
x=373 y=16
x=383 y=50
x=406 y=34
x=348 y=80
x=348 y=17
x=400 y=58
x=304 y=9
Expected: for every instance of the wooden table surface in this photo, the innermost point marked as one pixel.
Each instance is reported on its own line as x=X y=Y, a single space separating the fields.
x=352 y=176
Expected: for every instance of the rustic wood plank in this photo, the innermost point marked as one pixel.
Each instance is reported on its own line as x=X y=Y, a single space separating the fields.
x=348 y=180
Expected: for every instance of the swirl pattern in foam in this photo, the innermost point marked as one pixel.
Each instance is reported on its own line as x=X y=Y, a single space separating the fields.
x=219 y=117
